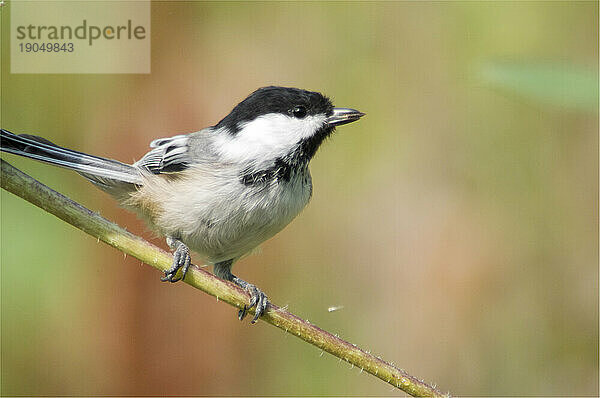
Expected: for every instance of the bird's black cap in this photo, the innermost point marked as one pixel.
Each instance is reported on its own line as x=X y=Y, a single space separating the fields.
x=274 y=99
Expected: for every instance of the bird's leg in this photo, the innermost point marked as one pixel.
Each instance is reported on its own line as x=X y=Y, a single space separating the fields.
x=257 y=298
x=181 y=259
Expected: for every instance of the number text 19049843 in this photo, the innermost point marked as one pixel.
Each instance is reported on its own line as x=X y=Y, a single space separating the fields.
x=46 y=47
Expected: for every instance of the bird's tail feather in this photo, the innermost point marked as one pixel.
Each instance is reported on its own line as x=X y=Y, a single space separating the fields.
x=103 y=172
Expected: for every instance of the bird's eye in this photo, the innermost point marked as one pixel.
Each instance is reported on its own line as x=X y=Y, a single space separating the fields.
x=299 y=111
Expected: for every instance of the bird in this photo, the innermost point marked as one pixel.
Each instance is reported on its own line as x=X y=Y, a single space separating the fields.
x=221 y=191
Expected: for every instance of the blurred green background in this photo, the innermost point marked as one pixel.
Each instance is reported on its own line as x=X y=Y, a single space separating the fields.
x=457 y=223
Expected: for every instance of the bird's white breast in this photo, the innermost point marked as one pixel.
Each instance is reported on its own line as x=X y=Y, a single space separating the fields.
x=217 y=216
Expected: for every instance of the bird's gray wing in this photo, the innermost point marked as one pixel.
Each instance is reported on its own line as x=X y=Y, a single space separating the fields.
x=170 y=155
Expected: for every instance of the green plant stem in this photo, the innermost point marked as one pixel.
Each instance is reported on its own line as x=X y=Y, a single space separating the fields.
x=20 y=184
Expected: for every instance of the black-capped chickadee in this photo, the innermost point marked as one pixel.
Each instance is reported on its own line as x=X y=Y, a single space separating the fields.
x=220 y=191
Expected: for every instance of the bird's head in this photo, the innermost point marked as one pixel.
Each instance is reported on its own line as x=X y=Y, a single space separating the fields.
x=279 y=123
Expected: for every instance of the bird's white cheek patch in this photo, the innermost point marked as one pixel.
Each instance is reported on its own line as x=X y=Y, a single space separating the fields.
x=267 y=137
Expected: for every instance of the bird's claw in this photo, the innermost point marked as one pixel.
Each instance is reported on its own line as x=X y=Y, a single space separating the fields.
x=258 y=300
x=181 y=260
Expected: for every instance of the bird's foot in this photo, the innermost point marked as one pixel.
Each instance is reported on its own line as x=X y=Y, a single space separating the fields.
x=258 y=299
x=181 y=259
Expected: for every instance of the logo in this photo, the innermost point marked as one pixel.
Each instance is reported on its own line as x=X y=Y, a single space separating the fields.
x=80 y=37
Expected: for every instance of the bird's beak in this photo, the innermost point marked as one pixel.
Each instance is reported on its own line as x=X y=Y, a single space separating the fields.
x=343 y=116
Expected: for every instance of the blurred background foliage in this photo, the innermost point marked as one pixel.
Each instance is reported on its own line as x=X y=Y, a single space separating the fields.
x=457 y=223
